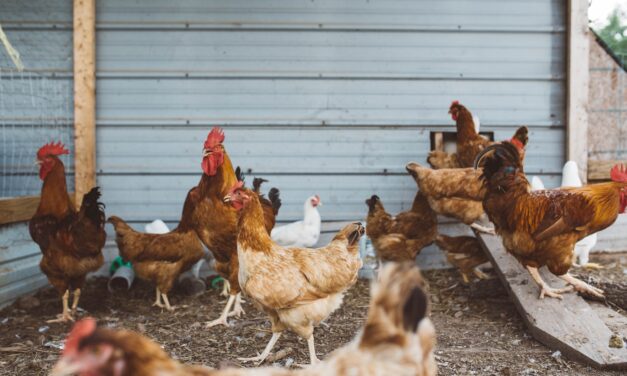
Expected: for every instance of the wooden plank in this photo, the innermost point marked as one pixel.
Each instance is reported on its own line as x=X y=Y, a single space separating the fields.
x=577 y=84
x=84 y=96
x=17 y=209
x=570 y=325
x=21 y=209
x=600 y=170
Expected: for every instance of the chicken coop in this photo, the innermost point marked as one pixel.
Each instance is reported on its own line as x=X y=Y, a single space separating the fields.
x=319 y=97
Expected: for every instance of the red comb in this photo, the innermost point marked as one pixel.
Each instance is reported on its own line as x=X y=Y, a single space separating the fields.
x=52 y=149
x=618 y=173
x=215 y=137
x=516 y=142
x=454 y=103
x=80 y=330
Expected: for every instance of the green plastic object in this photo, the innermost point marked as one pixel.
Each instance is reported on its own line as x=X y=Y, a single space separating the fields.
x=117 y=263
x=215 y=281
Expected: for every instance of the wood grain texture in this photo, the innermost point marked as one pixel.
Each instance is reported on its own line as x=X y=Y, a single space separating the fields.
x=600 y=170
x=84 y=96
x=569 y=325
x=18 y=209
x=578 y=47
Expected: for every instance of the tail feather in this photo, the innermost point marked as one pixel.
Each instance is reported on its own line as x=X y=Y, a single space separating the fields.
x=93 y=209
x=257 y=184
x=273 y=196
x=121 y=227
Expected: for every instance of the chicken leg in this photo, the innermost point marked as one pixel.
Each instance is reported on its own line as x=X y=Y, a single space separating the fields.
x=546 y=289
x=158 y=299
x=167 y=302
x=65 y=316
x=225 y=313
x=77 y=296
x=313 y=359
x=237 y=308
x=226 y=289
x=260 y=358
x=581 y=286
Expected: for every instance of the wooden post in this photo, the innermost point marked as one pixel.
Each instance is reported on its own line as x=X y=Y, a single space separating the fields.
x=577 y=85
x=84 y=96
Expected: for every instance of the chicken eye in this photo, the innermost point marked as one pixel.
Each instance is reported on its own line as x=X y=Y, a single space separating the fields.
x=509 y=170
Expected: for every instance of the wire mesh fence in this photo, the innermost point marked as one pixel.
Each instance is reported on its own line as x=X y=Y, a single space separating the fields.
x=34 y=109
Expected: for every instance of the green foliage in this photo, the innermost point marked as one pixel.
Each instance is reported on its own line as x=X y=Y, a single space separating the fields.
x=614 y=34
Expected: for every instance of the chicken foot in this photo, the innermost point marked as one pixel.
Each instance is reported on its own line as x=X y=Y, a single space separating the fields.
x=589 y=265
x=225 y=313
x=65 y=316
x=261 y=357
x=582 y=286
x=546 y=289
x=483 y=229
x=167 y=302
x=237 y=307
x=158 y=299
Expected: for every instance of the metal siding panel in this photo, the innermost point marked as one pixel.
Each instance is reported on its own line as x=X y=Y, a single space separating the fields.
x=295 y=150
x=326 y=101
x=319 y=97
x=354 y=14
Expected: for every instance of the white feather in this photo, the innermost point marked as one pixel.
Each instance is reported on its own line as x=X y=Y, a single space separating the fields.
x=303 y=233
x=570 y=178
x=157 y=227
x=536 y=183
x=475 y=119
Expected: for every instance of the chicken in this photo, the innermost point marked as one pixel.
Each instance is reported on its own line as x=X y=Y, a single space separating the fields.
x=296 y=287
x=541 y=228
x=570 y=178
x=465 y=253
x=161 y=258
x=402 y=237
x=71 y=241
x=398 y=338
x=439 y=186
x=303 y=233
x=469 y=141
x=214 y=221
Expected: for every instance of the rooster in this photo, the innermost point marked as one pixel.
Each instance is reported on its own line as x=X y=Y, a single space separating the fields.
x=570 y=178
x=303 y=233
x=215 y=221
x=402 y=237
x=296 y=287
x=542 y=227
x=71 y=241
x=161 y=258
x=398 y=338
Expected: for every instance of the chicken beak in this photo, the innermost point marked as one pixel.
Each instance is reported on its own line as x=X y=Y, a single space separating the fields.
x=37 y=162
x=227 y=198
x=65 y=367
x=206 y=152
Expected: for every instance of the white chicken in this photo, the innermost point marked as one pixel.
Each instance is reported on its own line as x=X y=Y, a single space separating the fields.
x=303 y=233
x=570 y=178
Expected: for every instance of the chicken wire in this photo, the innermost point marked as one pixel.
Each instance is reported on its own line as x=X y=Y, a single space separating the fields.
x=34 y=109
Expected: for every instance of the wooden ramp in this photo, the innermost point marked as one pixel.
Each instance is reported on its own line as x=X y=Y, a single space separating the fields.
x=579 y=330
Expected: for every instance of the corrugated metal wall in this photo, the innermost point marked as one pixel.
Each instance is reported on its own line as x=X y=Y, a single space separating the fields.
x=35 y=107
x=317 y=96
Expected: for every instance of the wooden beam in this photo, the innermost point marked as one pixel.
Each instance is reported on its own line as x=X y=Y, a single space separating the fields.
x=567 y=325
x=600 y=170
x=577 y=84
x=19 y=209
x=84 y=96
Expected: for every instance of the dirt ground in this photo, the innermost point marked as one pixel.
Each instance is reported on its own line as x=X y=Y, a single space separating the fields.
x=479 y=330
